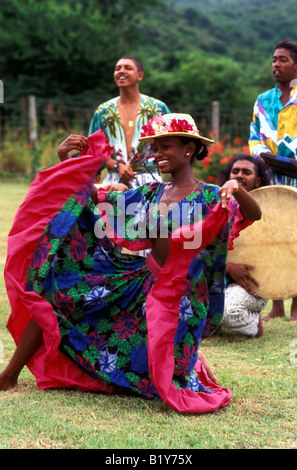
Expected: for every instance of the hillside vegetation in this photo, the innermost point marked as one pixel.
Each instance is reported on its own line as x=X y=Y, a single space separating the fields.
x=194 y=51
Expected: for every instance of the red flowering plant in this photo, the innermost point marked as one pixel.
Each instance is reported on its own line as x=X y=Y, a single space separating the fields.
x=219 y=155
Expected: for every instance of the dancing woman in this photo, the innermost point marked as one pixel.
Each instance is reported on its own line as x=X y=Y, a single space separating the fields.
x=86 y=317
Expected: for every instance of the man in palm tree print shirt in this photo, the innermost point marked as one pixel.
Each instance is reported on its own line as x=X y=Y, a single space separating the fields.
x=121 y=119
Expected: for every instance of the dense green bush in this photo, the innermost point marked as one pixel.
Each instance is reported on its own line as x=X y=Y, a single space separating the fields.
x=18 y=157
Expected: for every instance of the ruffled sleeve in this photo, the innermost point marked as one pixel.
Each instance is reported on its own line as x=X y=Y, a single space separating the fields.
x=237 y=221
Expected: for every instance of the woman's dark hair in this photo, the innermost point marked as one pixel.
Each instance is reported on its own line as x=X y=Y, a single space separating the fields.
x=201 y=150
x=224 y=173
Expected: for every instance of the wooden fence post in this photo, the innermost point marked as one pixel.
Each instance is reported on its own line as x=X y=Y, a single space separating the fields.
x=1 y=92
x=32 y=122
x=32 y=117
x=215 y=124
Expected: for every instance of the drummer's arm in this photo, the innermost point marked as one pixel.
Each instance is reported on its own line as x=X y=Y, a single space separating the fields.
x=249 y=207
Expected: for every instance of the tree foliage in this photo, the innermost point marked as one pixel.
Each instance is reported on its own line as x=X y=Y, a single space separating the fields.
x=51 y=47
x=194 y=52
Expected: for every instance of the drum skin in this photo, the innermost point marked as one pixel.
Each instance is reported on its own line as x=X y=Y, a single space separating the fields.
x=270 y=244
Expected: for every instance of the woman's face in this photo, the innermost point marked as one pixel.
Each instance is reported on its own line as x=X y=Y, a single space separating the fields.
x=171 y=154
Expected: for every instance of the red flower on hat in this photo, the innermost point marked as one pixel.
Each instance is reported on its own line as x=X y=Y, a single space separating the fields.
x=147 y=130
x=179 y=125
x=158 y=125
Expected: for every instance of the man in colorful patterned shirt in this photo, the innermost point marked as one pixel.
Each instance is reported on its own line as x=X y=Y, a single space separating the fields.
x=274 y=128
x=121 y=119
x=274 y=125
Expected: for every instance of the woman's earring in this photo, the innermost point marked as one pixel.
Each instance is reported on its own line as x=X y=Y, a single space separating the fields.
x=188 y=154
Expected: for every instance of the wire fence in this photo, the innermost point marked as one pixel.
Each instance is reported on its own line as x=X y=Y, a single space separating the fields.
x=16 y=121
x=16 y=118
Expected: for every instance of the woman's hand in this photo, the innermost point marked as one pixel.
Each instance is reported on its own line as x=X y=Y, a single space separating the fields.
x=73 y=142
x=248 y=205
x=227 y=190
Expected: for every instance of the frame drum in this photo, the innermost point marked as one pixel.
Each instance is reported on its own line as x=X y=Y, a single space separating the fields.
x=270 y=244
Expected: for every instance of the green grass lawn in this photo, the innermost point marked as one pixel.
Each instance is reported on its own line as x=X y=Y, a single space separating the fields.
x=262 y=374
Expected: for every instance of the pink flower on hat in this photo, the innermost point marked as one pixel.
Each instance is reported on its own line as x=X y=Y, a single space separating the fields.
x=158 y=125
x=172 y=124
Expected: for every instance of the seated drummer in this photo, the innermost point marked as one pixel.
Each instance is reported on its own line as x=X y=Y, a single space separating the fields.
x=242 y=312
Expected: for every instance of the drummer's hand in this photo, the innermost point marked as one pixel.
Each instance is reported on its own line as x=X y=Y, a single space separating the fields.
x=227 y=190
x=73 y=142
x=240 y=274
x=208 y=369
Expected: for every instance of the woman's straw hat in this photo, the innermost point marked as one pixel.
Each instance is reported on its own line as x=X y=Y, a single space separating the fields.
x=171 y=125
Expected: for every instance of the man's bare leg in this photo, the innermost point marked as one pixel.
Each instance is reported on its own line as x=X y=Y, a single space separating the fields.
x=277 y=311
x=30 y=342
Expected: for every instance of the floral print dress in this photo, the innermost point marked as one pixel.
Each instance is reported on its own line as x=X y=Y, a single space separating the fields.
x=101 y=311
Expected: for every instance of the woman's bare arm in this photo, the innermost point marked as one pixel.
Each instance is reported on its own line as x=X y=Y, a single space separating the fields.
x=248 y=205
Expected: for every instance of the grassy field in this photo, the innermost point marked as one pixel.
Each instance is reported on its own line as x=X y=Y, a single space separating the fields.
x=262 y=374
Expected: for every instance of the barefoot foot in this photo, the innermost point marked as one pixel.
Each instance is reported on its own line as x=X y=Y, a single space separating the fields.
x=7 y=382
x=277 y=311
x=208 y=369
